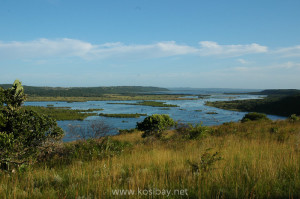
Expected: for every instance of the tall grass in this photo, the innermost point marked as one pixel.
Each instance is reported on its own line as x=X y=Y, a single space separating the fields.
x=257 y=160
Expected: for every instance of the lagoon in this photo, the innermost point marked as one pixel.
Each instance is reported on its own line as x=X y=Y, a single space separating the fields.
x=188 y=111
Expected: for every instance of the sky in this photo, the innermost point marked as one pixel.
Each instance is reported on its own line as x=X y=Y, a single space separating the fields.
x=166 y=43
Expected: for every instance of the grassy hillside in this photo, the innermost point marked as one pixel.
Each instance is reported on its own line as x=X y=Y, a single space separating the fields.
x=278 y=102
x=234 y=160
x=277 y=92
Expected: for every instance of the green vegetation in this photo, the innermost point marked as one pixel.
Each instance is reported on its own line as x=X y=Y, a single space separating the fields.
x=189 y=131
x=149 y=103
x=256 y=159
x=277 y=92
x=123 y=115
x=59 y=113
x=211 y=113
x=254 y=117
x=126 y=131
x=273 y=104
x=34 y=91
x=92 y=109
x=154 y=125
x=111 y=97
x=294 y=118
x=24 y=134
x=165 y=108
x=82 y=94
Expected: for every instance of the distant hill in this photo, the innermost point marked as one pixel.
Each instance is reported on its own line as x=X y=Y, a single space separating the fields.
x=85 y=91
x=283 y=102
x=277 y=92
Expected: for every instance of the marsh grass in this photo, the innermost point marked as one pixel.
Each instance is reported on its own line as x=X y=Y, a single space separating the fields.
x=253 y=161
x=148 y=103
x=110 y=97
x=123 y=115
x=62 y=113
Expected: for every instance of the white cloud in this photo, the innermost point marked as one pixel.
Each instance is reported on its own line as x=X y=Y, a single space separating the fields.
x=43 y=48
x=61 y=48
x=210 y=48
x=242 y=61
x=286 y=65
x=160 y=49
x=293 y=51
x=268 y=69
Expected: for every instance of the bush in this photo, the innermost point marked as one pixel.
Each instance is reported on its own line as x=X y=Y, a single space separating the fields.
x=127 y=131
x=154 y=125
x=84 y=150
x=254 y=117
x=294 y=118
x=24 y=134
x=189 y=131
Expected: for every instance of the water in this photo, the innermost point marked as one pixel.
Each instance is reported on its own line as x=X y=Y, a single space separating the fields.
x=188 y=111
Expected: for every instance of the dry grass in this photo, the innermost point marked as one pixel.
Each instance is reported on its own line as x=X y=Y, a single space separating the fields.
x=256 y=163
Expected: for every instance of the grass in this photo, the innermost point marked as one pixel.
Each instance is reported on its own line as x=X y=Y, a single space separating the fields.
x=123 y=115
x=149 y=103
x=235 y=160
x=211 y=113
x=61 y=113
x=111 y=97
x=92 y=109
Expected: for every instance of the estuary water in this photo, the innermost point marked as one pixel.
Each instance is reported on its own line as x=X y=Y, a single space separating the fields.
x=188 y=111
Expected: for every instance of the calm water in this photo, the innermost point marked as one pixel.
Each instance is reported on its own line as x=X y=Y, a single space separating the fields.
x=187 y=112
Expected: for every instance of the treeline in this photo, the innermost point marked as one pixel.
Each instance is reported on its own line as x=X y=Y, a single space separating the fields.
x=276 y=104
x=35 y=91
x=277 y=92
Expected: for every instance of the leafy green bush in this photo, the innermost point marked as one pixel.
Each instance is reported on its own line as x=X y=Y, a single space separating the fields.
x=294 y=118
x=254 y=117
x=23 y=133
x=155 y=124
x=127 y=131
x=189 y=131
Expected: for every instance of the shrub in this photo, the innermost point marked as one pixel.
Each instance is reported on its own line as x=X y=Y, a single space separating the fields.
x=127 y=131
x=254 y=117
x=23 y=133
x=84 y=150
x=155 y=124
x=294 y=118
x=192 y=132
x=206 y=162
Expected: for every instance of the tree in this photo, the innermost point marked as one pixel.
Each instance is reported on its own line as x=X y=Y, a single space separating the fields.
x=155 y=125
x=24 y=134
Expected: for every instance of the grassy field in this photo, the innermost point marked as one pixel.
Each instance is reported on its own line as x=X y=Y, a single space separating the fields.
x=234 y=160
x=110 y=97
x=60 y=113
x=149 y=103
x=123 y=115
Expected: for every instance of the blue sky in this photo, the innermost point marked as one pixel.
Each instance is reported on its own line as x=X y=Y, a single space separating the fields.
x=200 y=44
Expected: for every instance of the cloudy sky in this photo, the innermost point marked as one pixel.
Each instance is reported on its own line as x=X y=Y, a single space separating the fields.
x=166 y=43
